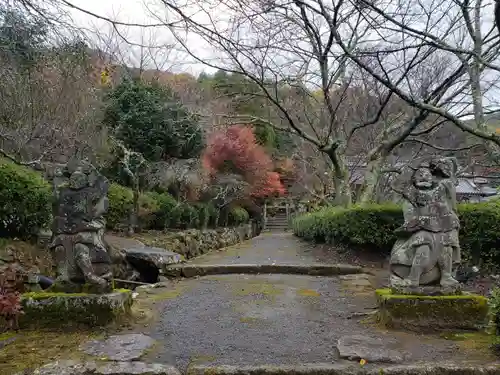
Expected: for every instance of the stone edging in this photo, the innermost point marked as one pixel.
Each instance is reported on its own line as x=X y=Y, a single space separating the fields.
x=347 y=369
x=141 y=368
x=193 y=270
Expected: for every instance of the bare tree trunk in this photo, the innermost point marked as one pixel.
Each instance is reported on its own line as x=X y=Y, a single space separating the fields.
x=372 y=176
x=340 y=178
x=134 y=213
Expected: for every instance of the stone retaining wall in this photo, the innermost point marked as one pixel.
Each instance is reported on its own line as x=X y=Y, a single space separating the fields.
x=195 y=242
x=150 y=254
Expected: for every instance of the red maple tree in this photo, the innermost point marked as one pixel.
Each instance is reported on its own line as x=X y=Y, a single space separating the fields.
x=235 y=150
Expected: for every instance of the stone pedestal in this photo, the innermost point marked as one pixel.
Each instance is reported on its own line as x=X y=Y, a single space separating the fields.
x=426 y=313
x=45 y=310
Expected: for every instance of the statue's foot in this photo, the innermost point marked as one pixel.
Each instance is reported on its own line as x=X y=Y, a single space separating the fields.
x=62 y=279
x=96 y=280
x=399 y=282
x=448 y=281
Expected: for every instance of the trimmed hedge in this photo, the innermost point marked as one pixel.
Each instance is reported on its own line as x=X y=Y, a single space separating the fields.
x=372 y=228
x=26 y=201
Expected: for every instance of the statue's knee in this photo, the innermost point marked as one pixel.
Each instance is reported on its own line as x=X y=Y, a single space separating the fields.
x=423 y=252
x=82 y=252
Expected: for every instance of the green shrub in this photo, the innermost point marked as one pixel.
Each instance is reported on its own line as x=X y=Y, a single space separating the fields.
x=162 y=217
x=184 y=216
x=148 y=207
x=238 y=216
x=121 y=200
x=479 y=233
x=25 y=201
x=372 y=227
x=213 y=215
x=203 y=214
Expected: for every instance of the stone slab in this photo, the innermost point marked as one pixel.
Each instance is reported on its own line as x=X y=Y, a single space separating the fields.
x=42 y=309
x=121 y=243
x=371 y=349
x=127 y=347
x=193 y=270
x=432 y=313
x=104 y=368
x=154 y=256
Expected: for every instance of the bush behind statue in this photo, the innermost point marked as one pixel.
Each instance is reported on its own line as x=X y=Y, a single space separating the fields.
x=372 y=228
x=27 y=198
x=161 y=211
x=26 y=201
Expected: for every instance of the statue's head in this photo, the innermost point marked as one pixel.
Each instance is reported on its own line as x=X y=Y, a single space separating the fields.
x=78 y=180
x=422 y=178
x=446 y=167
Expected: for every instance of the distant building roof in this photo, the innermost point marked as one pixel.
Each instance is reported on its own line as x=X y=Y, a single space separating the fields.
x=467 y=186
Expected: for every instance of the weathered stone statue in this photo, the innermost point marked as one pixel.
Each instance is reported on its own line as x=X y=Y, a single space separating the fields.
x=83 y=264
x=428 y=251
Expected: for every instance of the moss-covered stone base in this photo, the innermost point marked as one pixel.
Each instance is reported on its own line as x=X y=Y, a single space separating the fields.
x=49 y=310
x=432 y=313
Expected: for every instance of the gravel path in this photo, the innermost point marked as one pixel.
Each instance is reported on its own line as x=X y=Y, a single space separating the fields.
x=275 y=319
x=268 y=248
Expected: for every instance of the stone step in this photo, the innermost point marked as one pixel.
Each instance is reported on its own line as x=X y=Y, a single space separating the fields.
x=313 y=269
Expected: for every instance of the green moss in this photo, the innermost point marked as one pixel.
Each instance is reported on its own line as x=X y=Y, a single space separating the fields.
x=44 y=295
x=166 y=295
x=387 y=292
x=466 y=311
x=46 y=309
x=6 y=335
x=308 y=293
x=121 y=290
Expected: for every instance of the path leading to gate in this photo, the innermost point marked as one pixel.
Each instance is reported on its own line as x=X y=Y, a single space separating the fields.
x=279 y=319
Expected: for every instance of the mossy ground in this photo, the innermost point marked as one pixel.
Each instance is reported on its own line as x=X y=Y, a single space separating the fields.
x=32 y=349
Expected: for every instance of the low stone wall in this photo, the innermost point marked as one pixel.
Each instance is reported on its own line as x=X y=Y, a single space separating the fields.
x=149 y=255
x=195 y=242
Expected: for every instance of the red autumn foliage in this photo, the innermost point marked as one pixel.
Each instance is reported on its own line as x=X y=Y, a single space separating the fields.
x=235 y=150
x=10 y=301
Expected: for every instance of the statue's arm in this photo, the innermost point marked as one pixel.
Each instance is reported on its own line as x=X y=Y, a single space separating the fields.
x=451 y=193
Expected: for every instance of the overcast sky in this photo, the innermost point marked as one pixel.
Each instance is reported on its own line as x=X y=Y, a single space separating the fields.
x=134 y=11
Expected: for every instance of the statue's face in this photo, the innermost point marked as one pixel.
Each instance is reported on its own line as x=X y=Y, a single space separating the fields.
x=78 y=180
x=445 y=167
x=423 y=178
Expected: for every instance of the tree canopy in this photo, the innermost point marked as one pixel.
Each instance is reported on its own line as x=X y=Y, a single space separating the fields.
x=149 y=119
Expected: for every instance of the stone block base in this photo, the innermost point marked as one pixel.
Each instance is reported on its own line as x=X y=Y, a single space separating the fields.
x=45 y=310
x=432 y=313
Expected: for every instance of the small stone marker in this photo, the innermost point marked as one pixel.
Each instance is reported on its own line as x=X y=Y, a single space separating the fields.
x=371 y=349
x=128 y=347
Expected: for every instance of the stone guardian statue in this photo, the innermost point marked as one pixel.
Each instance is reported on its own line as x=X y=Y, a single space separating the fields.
x=427 y=251
x=82 y=261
